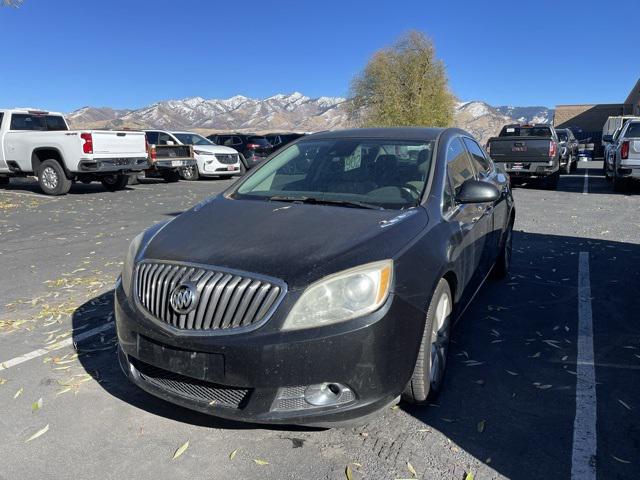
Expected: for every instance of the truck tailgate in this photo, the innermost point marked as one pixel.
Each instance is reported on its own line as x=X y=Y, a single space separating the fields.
x=519 y=149
x=108 y=144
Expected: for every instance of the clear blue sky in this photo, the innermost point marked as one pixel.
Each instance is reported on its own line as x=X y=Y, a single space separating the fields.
x=65 y=54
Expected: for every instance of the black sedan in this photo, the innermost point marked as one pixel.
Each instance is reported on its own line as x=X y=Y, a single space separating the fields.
x=321 y=287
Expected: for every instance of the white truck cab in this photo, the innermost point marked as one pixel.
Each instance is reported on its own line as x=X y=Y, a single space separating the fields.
x=39 y=143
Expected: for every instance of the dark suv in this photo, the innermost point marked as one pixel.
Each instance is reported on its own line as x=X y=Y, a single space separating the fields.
x=253 y=149
x=279 y=140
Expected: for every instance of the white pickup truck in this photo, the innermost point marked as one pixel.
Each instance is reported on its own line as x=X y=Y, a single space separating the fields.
x=39 y=143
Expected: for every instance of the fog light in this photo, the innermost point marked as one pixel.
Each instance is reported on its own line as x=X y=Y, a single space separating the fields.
x=312 y=396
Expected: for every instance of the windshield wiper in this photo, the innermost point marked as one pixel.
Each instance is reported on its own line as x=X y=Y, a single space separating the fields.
x=324 y=201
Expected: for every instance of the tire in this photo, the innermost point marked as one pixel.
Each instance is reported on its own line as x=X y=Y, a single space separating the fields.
x=172 y=176
x=4 y=181
x=551 y=182
x=619 y=184
x=503 y=263
x=113 y=183
x=567 y=168
x=428 y=374
x=190 y=173
x=52 y=179
x=574 y=164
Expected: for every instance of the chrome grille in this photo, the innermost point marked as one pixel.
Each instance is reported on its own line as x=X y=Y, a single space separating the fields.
x=225 y=300
x=227 y=158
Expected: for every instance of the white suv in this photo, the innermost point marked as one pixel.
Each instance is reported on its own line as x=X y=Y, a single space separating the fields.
x=211 y=160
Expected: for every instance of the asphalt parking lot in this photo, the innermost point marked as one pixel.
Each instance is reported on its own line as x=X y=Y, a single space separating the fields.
x=510 y=396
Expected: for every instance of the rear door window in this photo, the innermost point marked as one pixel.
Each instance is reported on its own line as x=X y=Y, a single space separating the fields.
x=480 y=161
x=165 y=138
x=24 y=121
x=55 y=123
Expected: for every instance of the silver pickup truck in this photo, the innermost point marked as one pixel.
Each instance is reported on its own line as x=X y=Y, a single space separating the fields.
x=623 y=163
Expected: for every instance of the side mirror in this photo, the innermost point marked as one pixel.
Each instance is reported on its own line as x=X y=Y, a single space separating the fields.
x=477 y=191
x=607 y=138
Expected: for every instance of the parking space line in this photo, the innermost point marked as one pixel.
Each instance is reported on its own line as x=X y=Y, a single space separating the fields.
x=26 y=194
x=584 y=426
x=56 y=346
x=585 y=186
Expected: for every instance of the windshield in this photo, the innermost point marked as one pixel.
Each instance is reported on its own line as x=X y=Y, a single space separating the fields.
x=192 y=139
x=384 y=173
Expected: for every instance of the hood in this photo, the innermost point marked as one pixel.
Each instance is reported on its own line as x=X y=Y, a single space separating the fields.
x=297 y=243
x=215 y=149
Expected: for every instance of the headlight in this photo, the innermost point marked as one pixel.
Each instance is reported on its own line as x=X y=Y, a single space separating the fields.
x=342 y=296
x=202 y=152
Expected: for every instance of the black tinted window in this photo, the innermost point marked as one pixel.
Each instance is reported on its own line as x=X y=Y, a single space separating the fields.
x=152 y=138
x=23 y=121
x=525 y=131
x=1 y=115
x=164 y=138
x=459 y=170
x=263 y=142
x=562 y=136
x=633 y=131
x=55 y=123
x=480 y=161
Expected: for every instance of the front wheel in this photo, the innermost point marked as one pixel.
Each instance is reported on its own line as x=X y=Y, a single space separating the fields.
x=428 y=373
x=619 y=183
x=567 y=168
x=503 y=264
x=113 y=183
x=190 y=173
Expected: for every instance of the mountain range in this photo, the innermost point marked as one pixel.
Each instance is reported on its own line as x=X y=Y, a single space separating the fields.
x=292 y=112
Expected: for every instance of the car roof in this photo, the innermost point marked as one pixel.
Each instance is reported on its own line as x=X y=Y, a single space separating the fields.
x=397 y=133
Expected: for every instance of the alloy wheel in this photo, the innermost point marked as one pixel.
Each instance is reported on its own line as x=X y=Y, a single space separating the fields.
x=440 y=338
x=50 y=178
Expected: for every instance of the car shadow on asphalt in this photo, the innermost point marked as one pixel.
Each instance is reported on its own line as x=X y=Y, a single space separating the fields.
x=31 y=186
x=509 y=396
x=509 y=393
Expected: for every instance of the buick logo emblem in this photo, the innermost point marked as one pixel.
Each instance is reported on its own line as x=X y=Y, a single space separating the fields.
x=183 y=298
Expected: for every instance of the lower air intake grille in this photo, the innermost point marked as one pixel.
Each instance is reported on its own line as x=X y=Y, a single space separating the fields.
x=191 y=388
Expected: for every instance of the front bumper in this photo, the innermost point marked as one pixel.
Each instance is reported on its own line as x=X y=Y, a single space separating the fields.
x=374 y=356
x=113 y=165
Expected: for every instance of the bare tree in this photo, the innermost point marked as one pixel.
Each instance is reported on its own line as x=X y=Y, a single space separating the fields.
x=404 y=84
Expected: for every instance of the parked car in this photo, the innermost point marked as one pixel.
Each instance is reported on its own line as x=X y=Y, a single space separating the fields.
x=609 y=150
x=279 y=140
x=360 y=249
x=253 y=149
x=39 y=143
x=613 y=124
x=569 y=147
x=211 y=160
x=625 y=163
x=528 y=152
x=167 y=161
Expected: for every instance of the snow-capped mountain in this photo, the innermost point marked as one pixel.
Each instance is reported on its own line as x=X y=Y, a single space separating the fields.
x=293 y=112
x=279 y=112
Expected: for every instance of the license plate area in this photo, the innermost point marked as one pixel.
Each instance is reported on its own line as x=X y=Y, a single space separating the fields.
x=198 y=365
x=517 y=166
x=518 y=149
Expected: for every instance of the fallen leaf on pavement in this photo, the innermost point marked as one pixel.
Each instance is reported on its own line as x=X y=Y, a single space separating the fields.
x=481 y=425
x=37 y=405
x=40 y=432
x=625 y=405
x=620 y=459
x=412 y=470
x=181 y=450
x=18 y=393
x=233 y=454
x=348 y=472
x=260 y=462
